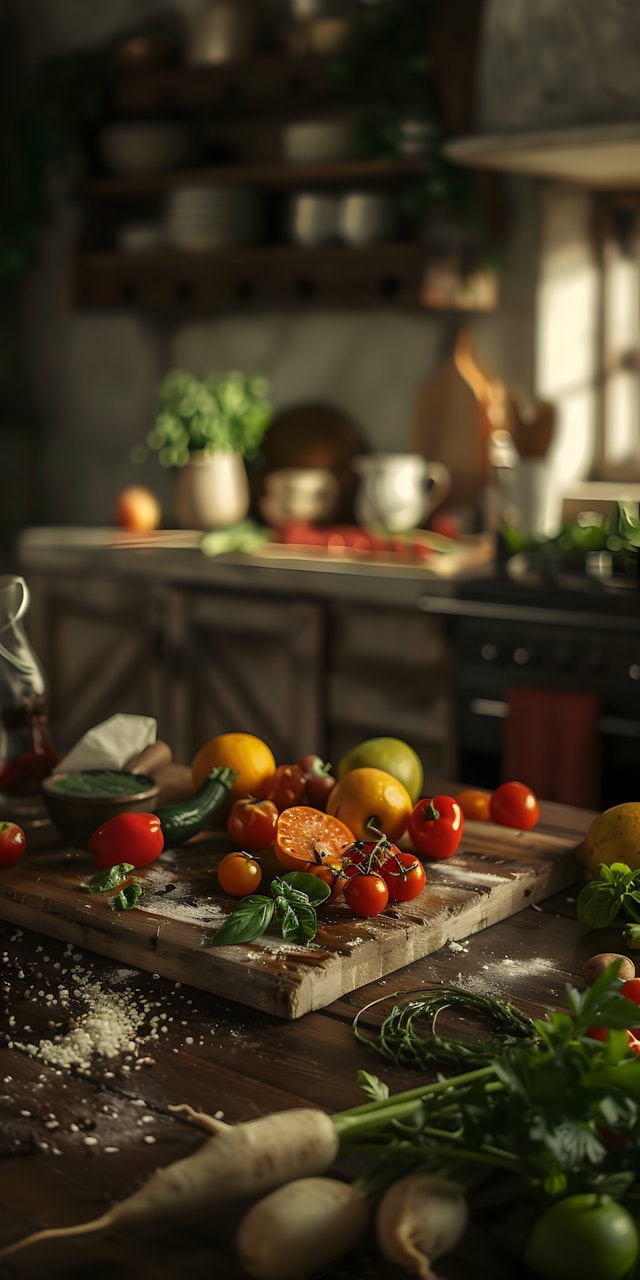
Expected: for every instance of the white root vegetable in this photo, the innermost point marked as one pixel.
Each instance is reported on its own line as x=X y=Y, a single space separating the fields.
x=239 y=1161
x=597 y=965
x=303 y=1226
x=419 y=1218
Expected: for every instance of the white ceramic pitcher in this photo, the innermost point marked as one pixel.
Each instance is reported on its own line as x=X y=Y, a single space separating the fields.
x=397 y=491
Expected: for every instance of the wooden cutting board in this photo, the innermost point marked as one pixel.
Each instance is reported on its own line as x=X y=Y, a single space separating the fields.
x=495 y=873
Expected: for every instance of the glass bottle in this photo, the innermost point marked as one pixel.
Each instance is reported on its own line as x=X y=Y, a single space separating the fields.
x=26 y=752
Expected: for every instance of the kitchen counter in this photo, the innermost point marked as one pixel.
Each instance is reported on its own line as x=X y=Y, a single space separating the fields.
x=315 y=650
x=74 y=1140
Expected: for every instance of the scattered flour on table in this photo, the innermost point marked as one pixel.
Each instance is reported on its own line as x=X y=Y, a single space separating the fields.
x=106 y=1028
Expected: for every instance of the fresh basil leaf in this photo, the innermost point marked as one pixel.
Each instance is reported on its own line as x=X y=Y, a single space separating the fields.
x=597 y=905
x=127 y=897
x=631 y=904
x=250 y=919
x=316 y=890
x=299 y=924
x=632 y=936
x=102 y=881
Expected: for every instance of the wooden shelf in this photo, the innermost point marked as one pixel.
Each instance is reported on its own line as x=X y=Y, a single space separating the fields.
x=600 y=157
x=274 y=276
x=234 y=89
x=274 y=176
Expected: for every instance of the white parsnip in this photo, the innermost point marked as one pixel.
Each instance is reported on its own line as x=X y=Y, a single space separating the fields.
x=419 y=1218
x=239 y=1161
x=302 y=1227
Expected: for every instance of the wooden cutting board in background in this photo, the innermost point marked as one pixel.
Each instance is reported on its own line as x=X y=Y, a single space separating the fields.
x=495 y=873
x=445 y=428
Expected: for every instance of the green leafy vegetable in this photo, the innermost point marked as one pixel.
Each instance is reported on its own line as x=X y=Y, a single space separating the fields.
x=127 y=897
x=99 y=783
x=293 y=902
x=103 y=881
x=400 y=1039
x=559 y=1110
x=614 y=892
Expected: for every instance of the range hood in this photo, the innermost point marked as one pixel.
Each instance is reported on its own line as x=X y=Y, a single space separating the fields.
x=601 y=157
x=558 y=92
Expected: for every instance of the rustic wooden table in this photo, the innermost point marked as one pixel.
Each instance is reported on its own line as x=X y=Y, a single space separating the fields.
x=73 y=1140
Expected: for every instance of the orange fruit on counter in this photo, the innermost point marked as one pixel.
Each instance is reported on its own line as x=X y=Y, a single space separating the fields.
x=307 y=837
x=371 y=800
x=253 y=759
x=137 y=510
x=474 y=804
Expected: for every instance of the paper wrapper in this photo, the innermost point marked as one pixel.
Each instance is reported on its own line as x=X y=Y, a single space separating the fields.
x=111 y=744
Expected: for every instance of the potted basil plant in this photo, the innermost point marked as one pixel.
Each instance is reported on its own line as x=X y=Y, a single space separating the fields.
x=208 y=430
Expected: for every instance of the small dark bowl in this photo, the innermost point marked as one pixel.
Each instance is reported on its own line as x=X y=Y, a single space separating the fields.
x=76 y=817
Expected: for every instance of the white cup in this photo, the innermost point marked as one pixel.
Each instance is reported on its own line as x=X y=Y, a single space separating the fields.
x=313 y=218
x=365 y=217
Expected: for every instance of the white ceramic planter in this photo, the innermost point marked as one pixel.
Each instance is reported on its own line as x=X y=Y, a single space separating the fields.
x=212 y=491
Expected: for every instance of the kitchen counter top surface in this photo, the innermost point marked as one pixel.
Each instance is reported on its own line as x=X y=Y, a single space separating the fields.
x=472 y=588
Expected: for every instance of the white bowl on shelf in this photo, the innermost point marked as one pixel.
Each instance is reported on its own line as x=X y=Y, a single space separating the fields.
x=130 y=147
x=319 y=141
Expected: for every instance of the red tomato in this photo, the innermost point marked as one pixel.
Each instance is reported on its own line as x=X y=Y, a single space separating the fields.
x=366 y=894
x=404 y=876
x=286 y=787
x=128 y=837
x=367 y=855
x=252 y=823
x=238 y=874
x=631 y=990
x=13 y=843
x=435 y=826
x=513 y=804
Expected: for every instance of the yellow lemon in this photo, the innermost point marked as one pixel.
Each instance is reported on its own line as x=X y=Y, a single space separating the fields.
x=614 y=836
x=370 y=802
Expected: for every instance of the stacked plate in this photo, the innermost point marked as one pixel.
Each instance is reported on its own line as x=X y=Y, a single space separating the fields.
x=213 y=217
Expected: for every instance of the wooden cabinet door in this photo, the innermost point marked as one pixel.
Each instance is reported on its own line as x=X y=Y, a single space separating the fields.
x=100 y=641
x=245 y=664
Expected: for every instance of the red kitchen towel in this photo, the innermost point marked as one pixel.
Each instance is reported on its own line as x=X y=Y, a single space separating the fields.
x=551 y=744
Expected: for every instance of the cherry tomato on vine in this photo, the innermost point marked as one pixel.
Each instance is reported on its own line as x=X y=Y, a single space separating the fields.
x=286 y=787
x=366 y=894
x=239 y=874
x=252 y=823
x=127 y=837
x=404 y=876
x=366 y=855
x=435 y=826
x=333 y=876
x=513 y=804
x=13 y=843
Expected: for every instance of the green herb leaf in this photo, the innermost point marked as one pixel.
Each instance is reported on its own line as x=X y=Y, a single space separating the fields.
x=127 y=897
x=615 y=890
x=312 y=887
x=632 y=936
x=103 y=881
x=373 y=1086
x=250 y=919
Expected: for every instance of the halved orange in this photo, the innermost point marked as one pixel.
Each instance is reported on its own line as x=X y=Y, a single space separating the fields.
x=307 y=837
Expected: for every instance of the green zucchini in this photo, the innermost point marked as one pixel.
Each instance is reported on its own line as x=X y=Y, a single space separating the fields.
x=181 y=821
